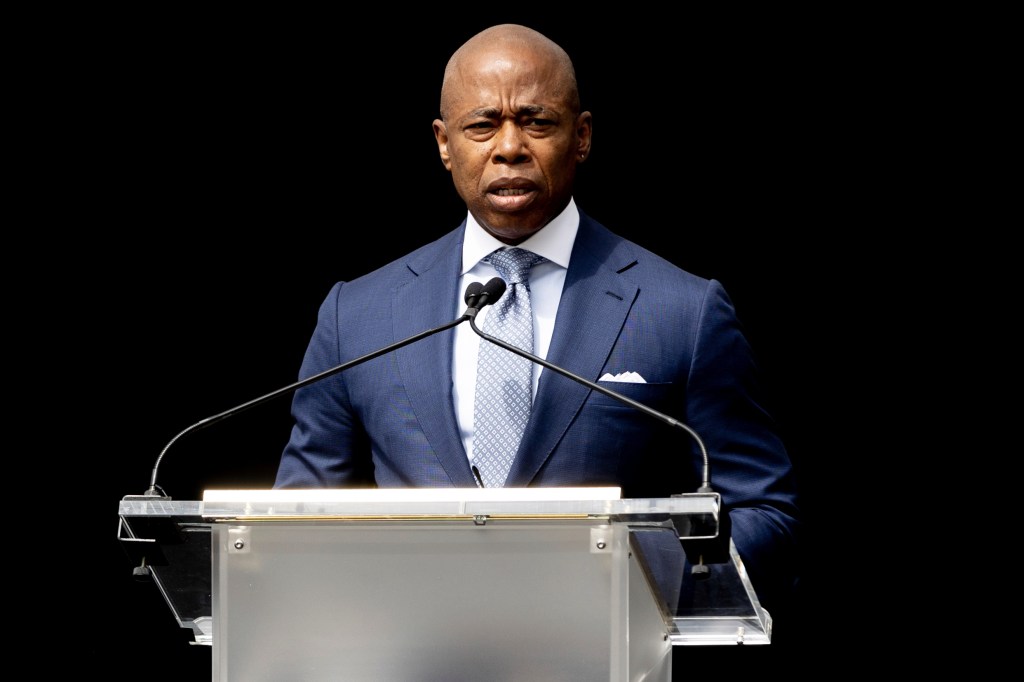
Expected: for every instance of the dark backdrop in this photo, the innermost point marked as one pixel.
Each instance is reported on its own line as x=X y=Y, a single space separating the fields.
x=234 y=168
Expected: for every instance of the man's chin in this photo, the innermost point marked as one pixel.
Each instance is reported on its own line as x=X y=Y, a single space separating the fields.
x=509 y=230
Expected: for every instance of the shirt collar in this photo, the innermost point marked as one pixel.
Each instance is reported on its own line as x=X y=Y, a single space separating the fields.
x=554 y=241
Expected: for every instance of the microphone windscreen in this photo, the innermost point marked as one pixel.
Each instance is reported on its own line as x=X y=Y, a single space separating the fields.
x=494 y=289
x=473 y=291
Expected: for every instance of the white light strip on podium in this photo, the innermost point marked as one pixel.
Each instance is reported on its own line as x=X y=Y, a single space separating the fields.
x=330 y=495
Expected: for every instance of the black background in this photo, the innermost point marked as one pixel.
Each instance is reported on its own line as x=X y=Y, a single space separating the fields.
x=233 y=168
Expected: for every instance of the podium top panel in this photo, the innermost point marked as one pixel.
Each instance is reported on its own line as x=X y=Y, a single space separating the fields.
x=429 y=502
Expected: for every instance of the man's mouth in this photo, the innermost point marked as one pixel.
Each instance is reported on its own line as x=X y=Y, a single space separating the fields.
x=511 y=199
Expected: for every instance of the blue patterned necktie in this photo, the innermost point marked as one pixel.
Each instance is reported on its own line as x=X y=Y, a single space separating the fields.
x=504 y=380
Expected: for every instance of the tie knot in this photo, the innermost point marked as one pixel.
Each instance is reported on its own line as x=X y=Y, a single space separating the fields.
x=514 y=264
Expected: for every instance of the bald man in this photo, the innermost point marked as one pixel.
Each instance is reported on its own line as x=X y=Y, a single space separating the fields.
x=511 y=133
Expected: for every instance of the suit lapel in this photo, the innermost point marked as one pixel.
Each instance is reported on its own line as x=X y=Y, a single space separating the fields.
x=596 y=299
x=426 y=364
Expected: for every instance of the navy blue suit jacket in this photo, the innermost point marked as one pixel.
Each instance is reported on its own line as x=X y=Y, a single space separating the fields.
x=390 y=422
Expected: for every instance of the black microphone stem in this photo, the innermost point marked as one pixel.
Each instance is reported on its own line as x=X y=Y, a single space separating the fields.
x=706 y=478
x=153 y=492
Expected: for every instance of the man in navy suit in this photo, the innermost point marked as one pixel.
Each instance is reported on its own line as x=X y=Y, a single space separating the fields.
x=512 y=134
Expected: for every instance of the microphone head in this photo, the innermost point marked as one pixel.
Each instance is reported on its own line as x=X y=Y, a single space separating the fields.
x=473 y=293
x=492 y=291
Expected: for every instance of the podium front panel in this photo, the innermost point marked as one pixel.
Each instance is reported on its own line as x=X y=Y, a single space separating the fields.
x=422 y=600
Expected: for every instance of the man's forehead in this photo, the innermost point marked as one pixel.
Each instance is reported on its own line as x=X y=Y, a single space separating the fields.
x=510 y=78
x=512 y=108
x=516 y=90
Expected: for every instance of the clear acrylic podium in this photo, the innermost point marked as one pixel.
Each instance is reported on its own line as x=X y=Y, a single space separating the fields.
x=443 y=584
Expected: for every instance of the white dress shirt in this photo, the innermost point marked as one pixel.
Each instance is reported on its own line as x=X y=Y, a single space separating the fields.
x=554 y=242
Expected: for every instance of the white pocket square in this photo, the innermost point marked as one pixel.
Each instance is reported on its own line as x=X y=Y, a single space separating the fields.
x=624 y=378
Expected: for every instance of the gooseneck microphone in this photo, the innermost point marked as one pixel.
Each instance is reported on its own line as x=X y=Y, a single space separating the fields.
x=477 y=296
x=705 y=552
x=496 y=287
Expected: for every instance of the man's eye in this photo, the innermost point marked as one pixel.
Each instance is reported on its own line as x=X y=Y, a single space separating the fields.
x=482 y=125
x=539 y=122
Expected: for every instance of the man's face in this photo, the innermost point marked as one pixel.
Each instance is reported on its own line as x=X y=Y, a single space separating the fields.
x=511 y=140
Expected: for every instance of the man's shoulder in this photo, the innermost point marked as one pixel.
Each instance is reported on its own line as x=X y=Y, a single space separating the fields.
x=632 y=258
x=415 y=262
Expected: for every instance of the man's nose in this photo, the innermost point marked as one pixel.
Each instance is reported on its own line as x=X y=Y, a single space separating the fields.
x=511 y=144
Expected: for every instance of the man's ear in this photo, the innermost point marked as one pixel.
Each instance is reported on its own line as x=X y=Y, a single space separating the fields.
x=441 y=135
x=584 y=133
